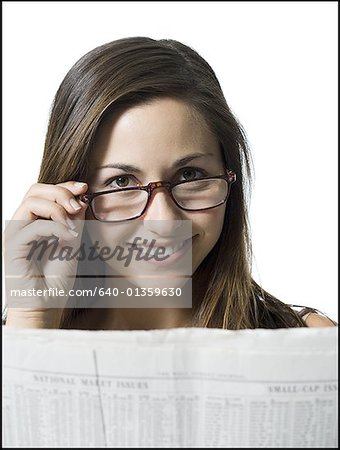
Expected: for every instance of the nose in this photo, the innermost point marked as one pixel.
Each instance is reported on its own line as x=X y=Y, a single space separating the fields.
x=162 y=215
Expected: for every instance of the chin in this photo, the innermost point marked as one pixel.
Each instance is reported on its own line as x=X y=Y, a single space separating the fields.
x=157 y=292
x=154 y=282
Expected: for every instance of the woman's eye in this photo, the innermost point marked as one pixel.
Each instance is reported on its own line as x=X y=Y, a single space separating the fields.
x=192 y=174
x=121 y=182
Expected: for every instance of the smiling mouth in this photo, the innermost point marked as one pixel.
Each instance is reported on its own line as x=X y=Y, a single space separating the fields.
x=168 y=249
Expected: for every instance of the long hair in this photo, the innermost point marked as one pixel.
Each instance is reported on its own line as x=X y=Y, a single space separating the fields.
x=137 y=70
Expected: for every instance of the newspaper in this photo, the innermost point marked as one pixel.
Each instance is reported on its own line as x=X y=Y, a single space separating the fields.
x=185 y=387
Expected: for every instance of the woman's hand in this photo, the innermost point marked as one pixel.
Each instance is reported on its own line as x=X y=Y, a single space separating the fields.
x=48 y=214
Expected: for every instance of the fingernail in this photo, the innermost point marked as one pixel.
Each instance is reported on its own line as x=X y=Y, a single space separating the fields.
x=74 y=233
x=79 y=185
x=70 y=223
x=75 y=205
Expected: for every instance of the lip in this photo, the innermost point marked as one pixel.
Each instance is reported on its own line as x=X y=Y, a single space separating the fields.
x=158 y=243
x=174 y=256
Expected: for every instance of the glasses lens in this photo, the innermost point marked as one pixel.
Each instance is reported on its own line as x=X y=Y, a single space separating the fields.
x=201 y=194
x=119 y=205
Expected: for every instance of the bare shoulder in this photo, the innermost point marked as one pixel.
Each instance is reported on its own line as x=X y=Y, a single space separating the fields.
x=316 y=320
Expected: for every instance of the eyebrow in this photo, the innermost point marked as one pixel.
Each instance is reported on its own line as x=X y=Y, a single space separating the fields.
x=133 y=169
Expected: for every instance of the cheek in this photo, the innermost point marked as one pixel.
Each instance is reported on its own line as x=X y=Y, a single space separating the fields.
x=210 y=222
x=208 y=225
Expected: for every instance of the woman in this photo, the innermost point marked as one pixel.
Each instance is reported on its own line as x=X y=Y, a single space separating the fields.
x=131 y=113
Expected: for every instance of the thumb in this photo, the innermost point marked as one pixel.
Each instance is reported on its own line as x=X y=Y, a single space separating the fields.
x=77 y=188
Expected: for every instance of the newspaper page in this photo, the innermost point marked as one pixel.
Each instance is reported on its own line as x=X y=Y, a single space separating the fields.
x=176 y=388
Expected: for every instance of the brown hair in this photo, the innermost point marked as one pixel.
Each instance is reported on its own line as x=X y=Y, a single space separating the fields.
x=137 y=70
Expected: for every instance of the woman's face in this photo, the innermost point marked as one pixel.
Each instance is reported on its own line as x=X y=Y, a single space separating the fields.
x=159 y=141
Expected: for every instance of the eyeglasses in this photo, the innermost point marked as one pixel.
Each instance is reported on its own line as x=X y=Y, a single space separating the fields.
x=117 y=205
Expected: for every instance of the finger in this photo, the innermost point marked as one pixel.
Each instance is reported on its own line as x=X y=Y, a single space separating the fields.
x=64 y=194
x=35 y=238
x=43 y=229
x=46 y=228
x=32 y=253
x=77 y=188
x=33 y=207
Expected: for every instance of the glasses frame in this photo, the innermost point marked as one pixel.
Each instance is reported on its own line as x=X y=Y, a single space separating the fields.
x=229 y=177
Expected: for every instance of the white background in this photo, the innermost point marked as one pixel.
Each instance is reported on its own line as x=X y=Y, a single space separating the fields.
x=277 y=64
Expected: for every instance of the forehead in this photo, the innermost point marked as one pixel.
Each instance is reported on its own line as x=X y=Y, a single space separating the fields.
x=162 y=129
